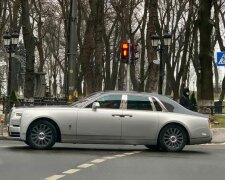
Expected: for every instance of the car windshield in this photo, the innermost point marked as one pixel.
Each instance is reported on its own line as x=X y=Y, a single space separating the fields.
x=82 y=101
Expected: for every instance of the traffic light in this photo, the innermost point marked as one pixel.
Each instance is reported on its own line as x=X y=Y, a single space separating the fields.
x=134 y=53
x=125 y=48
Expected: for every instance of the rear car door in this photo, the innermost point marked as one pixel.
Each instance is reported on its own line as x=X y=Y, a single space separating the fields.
x=140 y=121
x=104 y=122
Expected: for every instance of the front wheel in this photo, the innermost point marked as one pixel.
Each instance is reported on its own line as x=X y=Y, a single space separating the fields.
x=41 y=135
x=172 y=138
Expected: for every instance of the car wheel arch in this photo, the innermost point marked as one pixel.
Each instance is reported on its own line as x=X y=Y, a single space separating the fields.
x=177 y=124
x=58 y=139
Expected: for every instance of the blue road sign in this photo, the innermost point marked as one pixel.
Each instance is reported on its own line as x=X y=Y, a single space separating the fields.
x=220 y=58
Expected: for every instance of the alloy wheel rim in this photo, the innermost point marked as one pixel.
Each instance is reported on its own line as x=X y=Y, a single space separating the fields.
x=173 y=138
x=41 y=135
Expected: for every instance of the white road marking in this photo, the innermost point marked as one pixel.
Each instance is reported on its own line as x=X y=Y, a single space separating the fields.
x=54 y=177
x=98 y=161
x=71 y=171
x=131 y=153
x=110 y=157
x=212 y=144
x=120 y=155
x=7 y=146
x=85 y=165
x=135 y=152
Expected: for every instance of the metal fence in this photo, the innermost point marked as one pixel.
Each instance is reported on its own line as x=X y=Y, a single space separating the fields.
x=6 y=104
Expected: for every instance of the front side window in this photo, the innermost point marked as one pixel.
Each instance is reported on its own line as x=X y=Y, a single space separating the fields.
x=108 y=102
x=138 y=103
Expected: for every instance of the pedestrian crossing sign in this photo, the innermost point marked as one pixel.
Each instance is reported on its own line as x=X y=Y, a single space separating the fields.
x=220 y=58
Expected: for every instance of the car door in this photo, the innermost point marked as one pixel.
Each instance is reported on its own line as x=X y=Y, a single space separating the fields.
x=102 y=123
x=140 y=120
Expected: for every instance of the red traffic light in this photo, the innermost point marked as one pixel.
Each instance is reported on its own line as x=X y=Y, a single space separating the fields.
x=125 y=52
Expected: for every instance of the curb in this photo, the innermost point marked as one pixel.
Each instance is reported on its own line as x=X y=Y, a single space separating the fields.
x=8 y=138
x=218 y=135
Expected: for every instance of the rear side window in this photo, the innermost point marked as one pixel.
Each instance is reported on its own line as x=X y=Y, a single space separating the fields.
x=157 y=105
x=168 y=106
x=138 y=103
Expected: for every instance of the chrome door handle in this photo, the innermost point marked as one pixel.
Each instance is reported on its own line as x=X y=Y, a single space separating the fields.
x=117 y=115
x=121 y=115
x=129 y=115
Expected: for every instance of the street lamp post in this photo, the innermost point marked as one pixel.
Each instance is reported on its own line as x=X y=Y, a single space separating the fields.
x=156 y=43
x=10 y=43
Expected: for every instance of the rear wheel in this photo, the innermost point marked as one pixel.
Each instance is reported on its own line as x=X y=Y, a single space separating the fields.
x=41 y=135
x=173 y=138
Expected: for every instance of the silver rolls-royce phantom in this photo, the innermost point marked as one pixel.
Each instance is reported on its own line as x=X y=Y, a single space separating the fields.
x=113 y=117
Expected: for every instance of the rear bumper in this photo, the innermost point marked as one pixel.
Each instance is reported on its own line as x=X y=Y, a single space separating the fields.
x=201 y=140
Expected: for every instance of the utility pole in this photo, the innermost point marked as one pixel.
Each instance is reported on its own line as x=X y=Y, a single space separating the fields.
x=72 y=52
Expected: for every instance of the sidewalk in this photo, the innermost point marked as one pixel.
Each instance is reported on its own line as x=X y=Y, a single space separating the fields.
x=3 y=133
x=218 y=135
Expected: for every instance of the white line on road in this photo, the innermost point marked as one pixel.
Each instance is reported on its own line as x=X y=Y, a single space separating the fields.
x=54 y=177
x=12 y=146
x=85 y=165
x=71 y=171
x=120 y=155
x=110 y=157
x=98 y=161
x=212 y=144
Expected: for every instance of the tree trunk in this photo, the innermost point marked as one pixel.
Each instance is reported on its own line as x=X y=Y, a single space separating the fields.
x=153 y=24
x=30 y=47
x=205 y=28
x=98 y=9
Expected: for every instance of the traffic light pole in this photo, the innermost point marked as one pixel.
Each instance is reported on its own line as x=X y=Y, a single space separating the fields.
x=128 y=71
x=128 y=77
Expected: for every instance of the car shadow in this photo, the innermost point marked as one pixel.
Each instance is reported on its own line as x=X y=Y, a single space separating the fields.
x=109 y=149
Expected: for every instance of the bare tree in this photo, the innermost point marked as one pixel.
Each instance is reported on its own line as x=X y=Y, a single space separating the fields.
x=205 y=56
x=29 y=43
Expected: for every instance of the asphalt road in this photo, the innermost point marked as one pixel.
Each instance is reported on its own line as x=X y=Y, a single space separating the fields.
x=110 y=162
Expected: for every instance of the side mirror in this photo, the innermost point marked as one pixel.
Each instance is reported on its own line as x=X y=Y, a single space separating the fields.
x=95 y=105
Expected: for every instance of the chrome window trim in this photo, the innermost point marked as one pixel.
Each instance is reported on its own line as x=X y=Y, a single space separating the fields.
x=123 y=104
x=152 y=104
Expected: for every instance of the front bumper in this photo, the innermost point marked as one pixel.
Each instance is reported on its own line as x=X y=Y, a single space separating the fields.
x=14 y=131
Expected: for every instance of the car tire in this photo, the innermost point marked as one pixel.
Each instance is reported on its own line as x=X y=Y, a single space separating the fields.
x=172 y=138
x=154 y=147
x=41 y=135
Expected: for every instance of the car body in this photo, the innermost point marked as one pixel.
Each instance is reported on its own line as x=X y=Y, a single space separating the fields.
x=113 y=117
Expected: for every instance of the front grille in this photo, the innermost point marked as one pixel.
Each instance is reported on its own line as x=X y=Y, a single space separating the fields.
x=15 y=134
